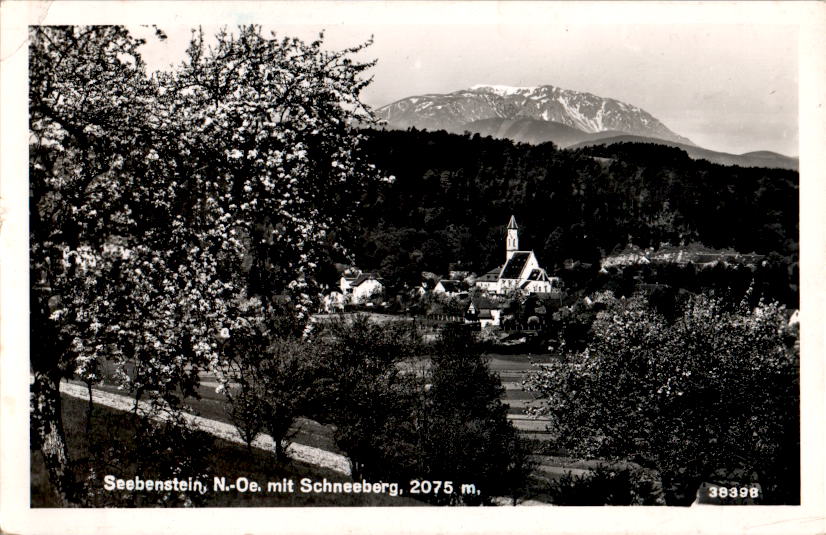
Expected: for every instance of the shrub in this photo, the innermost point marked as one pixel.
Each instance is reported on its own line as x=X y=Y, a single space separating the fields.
x=152 y=449
x=244 y=409
x=606 y=486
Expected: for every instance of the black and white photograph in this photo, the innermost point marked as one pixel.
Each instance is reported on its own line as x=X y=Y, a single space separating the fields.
x=510 y=258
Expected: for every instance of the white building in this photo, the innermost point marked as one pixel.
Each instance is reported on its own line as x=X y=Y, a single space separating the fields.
x=521 y=270
x=485 y=312
x=362 y=288
x=450 y=288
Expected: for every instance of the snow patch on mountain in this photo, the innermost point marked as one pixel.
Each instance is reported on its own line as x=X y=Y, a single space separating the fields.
x=502 y=89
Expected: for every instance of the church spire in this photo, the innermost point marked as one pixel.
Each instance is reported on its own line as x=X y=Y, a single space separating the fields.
x=512 y=242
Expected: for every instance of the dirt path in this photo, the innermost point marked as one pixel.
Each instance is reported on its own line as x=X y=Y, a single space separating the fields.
x=299 y=452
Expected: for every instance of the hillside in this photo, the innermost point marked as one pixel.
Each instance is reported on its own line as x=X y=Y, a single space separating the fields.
x=534 y=131
x=749 y=159
x=453 y=195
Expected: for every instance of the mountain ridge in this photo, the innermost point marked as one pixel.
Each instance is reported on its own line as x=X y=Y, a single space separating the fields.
x=539 y=114
x=748 y=159
x=584 y=111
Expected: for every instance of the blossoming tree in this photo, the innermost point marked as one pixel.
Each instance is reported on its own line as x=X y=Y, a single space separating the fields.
x=158 y=203
x=713 y=394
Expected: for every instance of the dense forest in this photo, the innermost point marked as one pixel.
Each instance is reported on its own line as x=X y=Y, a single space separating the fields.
x=453 y=194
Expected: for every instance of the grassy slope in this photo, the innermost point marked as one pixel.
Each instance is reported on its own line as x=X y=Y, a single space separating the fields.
x=510 y=367
x=224 y=459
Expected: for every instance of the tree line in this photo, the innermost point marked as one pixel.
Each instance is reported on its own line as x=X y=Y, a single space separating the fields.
x=453 y=195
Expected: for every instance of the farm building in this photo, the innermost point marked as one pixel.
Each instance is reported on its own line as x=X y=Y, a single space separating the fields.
x=361 y=288
x=450 y=288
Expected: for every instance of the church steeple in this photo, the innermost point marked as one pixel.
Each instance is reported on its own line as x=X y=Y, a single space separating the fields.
x=512 y=242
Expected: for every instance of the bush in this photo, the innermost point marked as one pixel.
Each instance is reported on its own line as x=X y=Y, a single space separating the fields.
x=244 y=409
x=606 y=486
x=152 y=449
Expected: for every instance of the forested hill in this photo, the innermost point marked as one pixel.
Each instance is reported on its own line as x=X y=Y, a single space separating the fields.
x=453 y=195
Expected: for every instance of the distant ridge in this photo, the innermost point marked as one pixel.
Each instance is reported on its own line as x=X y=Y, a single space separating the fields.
x=749 y=159
x=534 y=131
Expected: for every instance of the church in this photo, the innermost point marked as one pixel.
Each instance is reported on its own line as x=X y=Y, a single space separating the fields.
x=521 y=270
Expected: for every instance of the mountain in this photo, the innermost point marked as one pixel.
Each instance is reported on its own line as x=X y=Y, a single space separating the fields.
x=750 y=159
x=588 y=113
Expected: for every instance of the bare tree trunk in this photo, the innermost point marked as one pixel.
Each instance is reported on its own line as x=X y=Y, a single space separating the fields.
x=48 y=421
x=89 y=410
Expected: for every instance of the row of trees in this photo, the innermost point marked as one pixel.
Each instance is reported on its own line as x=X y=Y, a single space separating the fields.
x=395 y=418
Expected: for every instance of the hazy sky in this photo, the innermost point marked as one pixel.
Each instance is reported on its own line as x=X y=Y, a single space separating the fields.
x=727 y=87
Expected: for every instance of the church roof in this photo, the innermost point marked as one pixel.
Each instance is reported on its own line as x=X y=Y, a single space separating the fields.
x=537 y=275
x=512 y=223
x=515 y=265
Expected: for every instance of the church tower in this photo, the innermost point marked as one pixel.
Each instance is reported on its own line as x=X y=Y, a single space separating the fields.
x=512 y=243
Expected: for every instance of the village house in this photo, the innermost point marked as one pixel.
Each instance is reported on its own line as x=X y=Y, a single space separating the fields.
x=485 y=311
x=361 y=288
x=450 y=288
x=521 y=270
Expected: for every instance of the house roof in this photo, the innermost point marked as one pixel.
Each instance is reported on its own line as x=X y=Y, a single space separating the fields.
x=451 y=285
x=512 y=223
x=482 y=303
x=365 y=277
x=515 y=265
x=490 y=276
x=485 y=314
x=553 y=295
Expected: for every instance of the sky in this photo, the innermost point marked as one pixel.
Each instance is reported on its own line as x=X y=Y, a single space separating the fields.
x=727 y=87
